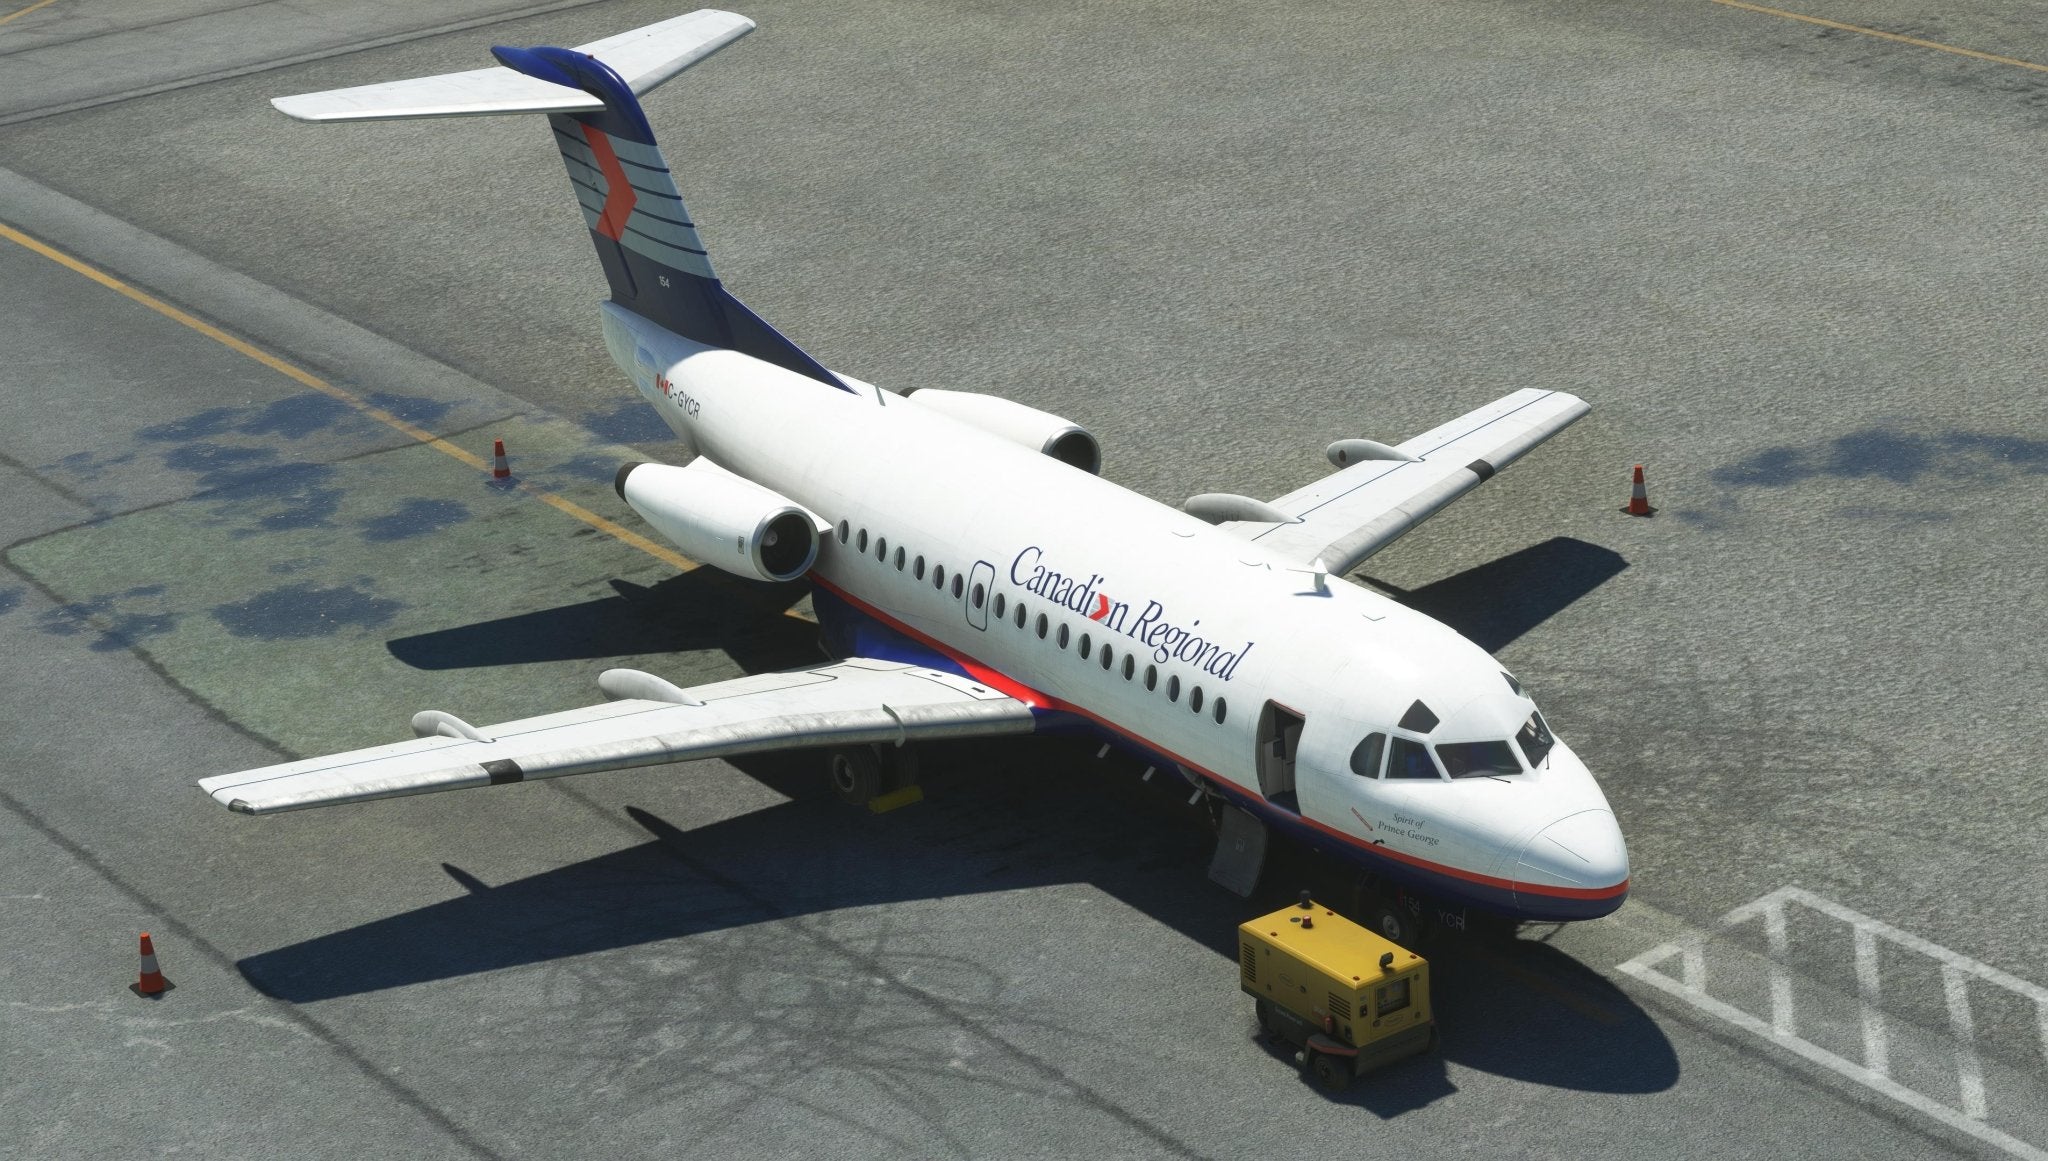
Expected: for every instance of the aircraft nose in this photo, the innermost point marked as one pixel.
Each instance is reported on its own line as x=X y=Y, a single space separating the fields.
x=1579 y=850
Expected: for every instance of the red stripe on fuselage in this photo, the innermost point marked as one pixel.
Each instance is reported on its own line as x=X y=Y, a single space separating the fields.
x=1039 y=700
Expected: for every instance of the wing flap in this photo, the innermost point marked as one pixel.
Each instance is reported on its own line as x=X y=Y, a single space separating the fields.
x=845 y=703
x=1343 y=518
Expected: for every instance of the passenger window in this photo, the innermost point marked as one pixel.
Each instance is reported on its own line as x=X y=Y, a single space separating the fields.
x=882 y=548
x=1020 y=615
x=1130 y=667
x=1365 y=760
x=1063 y=636
x=1407 y=758
x=1001 y=606
x=1085 y=646
x=860 y=543
x=1221 y=709
x=1041 y=626
x=1477 y=759
x=899 y=559
x=1195 y=699
x=939 y=577
x=1536 y=740
x=980 y=594
x=956 y=586
x=1151 y=677
x=917 y=568
x=1173 y=688
x=845 y=530
x=1108 y=655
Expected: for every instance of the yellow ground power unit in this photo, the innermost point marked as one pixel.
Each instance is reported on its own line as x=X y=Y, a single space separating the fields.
x=1349 y=1000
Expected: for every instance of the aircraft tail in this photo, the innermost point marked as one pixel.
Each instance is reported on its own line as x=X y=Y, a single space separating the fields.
x=655 y=262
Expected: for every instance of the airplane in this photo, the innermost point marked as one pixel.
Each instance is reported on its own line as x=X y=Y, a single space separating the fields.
x=973 y=575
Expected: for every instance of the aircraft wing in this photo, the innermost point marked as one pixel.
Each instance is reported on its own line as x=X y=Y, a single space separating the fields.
x=1343 y=518
x=652 y=722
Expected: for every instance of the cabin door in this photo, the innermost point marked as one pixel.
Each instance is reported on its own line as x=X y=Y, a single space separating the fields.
x=981 y=582
x=1279 y=737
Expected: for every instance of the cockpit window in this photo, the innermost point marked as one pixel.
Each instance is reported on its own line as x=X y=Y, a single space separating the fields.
x=1409 y=759
x=1535 y=739
x=1419 y=719
x=1513 y=684
x=1365 y=760
x=1477 y=759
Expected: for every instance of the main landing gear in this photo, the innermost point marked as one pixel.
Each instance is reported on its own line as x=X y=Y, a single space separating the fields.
x=861 y=774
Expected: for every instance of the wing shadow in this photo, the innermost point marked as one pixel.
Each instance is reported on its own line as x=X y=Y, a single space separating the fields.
x=998 y=818
x=1499 y=601
x=700 y=609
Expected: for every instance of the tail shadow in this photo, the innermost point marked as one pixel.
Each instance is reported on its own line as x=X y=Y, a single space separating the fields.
x=1496 y=603
x=700 y=609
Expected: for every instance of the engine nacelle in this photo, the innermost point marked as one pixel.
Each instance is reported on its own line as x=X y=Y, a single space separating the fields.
x=1041 y=431
x=722 y=519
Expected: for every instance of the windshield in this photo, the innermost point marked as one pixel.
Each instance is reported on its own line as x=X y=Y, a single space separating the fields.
x=1535 y=740
x=1478 y=759
x=1409 y=759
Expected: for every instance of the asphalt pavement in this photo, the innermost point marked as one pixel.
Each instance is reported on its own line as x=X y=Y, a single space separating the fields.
x=1793 y=265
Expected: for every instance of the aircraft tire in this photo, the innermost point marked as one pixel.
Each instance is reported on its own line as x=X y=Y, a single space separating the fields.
x=855 y=774
x=1386 y=917
x=899 y=766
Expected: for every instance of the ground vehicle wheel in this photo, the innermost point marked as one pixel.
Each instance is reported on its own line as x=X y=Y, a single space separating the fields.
x=1263 y=1013
x=1387 y=917
x=1332 y=1072
x=856 y=775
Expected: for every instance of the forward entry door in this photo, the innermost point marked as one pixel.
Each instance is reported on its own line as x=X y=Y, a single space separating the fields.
x=1279 y=737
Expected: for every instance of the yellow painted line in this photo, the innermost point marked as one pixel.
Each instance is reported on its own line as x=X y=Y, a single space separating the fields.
x=25 y=11
x=300 y=375
x=1915 y=41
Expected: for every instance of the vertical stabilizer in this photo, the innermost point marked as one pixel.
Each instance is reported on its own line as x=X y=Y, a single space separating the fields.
x=645 y=239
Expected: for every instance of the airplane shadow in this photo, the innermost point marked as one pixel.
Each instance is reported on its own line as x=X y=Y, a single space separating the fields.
x=1499 y=601
x=997 y=818
x=700 y=609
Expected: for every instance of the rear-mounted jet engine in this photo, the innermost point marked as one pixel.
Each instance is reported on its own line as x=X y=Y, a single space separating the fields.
x=1041 y=431
x=721 y=519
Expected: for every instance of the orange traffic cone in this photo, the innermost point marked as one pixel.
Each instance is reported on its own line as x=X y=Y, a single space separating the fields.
x=500 y=470
x=152 y=982
x=1638 y=499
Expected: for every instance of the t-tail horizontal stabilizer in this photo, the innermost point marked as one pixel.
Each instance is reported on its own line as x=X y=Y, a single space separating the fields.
x=657 y=266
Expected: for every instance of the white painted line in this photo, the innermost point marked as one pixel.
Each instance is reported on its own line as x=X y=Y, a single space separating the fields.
x=1781 y=979
x=1833 y=1063
x=1969 y=1070
x=1958 y=971
x=1876 y=1047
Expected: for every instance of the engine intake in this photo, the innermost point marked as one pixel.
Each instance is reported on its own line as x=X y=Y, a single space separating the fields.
x=722 y=519
x=1041 y=431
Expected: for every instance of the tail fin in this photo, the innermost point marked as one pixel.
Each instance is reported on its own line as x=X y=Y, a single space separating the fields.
x=656 y=264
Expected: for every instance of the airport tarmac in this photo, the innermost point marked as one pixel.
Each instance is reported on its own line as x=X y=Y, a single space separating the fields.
x=253 y=370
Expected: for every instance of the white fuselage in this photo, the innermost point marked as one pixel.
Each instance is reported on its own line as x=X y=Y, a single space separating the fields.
x=1214 y=619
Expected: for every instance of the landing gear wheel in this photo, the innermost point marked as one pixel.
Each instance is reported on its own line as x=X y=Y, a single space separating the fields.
x=1332 y=1072
x=899 y=766
x=1387 y=917
x=856 y=775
